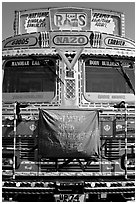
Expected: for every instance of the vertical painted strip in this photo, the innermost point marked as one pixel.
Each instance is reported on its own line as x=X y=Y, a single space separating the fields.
x=125 y=141
x=122 y=25
x=14 y=141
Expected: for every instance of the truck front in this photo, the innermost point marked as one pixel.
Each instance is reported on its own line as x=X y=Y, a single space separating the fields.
x=68 y=107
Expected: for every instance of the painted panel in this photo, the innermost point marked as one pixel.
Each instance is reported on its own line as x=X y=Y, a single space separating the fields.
x=70 y=19
x=33 y=21
x=28 y=40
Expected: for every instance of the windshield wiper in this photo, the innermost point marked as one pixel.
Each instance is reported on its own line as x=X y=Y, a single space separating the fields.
x=124 y=74
x=43 y=63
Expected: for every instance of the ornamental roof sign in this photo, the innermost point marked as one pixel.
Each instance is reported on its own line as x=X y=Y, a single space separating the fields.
x=34 y=20
x=69 y=19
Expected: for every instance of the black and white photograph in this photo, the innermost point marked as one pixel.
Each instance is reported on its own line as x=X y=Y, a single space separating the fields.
x=68 y=101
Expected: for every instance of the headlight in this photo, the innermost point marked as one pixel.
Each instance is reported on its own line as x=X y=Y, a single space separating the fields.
x=7 y=162
x=130 y=162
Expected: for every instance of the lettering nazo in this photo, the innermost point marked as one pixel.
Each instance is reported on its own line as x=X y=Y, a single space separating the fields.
x=70 y=40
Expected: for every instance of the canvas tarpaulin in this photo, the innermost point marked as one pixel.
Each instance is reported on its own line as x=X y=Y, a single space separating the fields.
x=68 y=133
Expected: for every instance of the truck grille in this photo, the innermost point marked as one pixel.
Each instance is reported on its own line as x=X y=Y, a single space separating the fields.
x=76 y=165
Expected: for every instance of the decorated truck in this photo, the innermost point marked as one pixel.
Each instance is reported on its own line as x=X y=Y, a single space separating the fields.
x=68 y=107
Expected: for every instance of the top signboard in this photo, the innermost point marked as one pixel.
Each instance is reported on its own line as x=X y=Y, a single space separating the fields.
x=70 y=19
x=32 y=21
x=105 y=23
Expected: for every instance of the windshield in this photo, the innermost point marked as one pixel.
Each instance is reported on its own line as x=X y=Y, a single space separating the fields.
x=106 y=77
x=22 y=76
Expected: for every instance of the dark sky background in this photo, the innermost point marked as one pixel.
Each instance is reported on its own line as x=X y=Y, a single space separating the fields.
x=8 y=8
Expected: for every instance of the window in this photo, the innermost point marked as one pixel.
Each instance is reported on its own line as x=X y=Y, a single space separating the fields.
x=29 y=76
x=106 y=79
